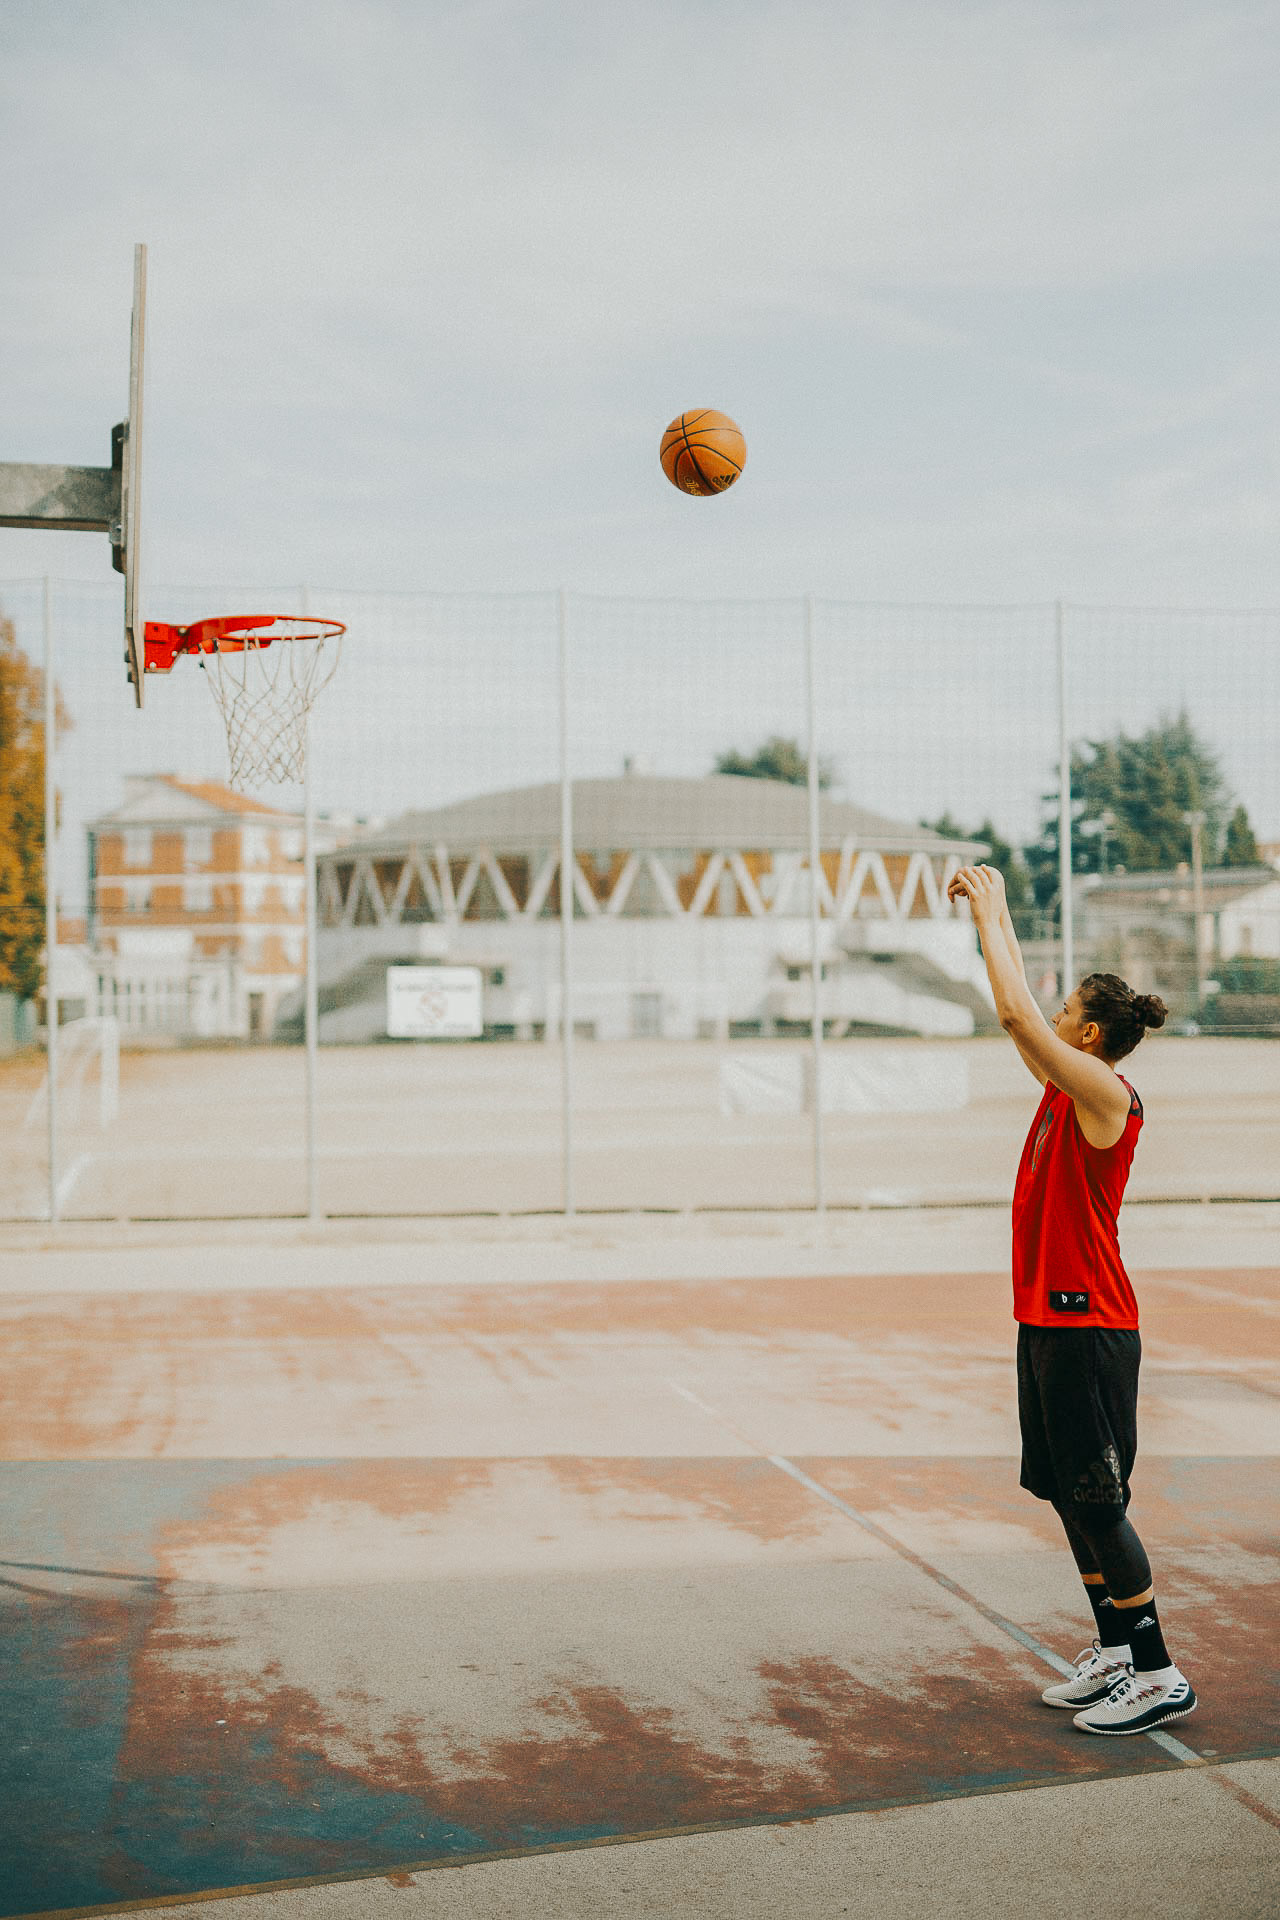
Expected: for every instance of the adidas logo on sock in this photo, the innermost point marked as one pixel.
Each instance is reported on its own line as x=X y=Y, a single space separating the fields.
x=1146 y=1621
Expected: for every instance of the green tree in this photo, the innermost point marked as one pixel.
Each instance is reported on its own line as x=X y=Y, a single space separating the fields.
x=1240 y=848
x=1001 y=854
x=1129 y=798
x=949 y=827
x=21 y=816
x=779 y=758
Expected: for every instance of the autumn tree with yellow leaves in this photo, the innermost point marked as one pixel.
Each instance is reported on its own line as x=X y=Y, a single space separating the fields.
x=21 y=816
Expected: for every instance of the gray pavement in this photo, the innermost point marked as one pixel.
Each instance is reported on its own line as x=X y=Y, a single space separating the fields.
x=219 y=1133
x=1198 y=1844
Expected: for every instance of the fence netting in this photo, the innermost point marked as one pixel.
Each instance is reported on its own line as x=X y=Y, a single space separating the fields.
x=437 y=756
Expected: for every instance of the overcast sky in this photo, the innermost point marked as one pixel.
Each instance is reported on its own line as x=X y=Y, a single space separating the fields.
x=991 y=290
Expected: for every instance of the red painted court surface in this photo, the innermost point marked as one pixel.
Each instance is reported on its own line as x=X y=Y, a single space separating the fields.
x=402 y=1569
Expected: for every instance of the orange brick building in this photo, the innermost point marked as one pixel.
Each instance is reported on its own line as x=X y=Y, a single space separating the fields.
x=197 y=909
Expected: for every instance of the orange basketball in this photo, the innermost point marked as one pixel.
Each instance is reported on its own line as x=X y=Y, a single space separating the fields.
x=703 y=451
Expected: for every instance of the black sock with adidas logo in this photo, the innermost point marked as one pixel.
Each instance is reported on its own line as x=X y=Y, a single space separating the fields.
x=1110 y=1632
x=1140 y=1626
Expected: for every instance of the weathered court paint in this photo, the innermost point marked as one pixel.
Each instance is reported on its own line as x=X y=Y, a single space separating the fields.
x=183 y=1734
x=610 y=1614
x=909 y=1365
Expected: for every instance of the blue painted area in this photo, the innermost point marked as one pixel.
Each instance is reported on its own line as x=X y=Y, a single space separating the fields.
x=65 y=1666
x=64 y=1689
x=73 y=1832
x=104 y=1515
x=256 y=1827
x=210 y=1809
x=66 y=1663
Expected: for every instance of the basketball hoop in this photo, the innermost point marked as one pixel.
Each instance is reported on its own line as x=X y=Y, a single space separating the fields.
x=264 y=697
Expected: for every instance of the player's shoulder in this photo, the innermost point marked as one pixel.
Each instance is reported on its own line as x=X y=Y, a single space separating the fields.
x=1135 y=1102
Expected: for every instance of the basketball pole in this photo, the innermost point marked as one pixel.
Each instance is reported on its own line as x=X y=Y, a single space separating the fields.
x=1066 y=904
x=566 y=912
x=311 y=997
x=50 y=903
x=815 y=953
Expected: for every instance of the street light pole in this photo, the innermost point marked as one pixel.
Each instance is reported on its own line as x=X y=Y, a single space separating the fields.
x=51 y=899
x=1065 y=909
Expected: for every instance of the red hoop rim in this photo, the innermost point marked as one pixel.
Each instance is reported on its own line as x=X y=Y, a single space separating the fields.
x=229 y=633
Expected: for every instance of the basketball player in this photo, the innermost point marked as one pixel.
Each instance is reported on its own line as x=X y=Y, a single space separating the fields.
x=1078 y=1343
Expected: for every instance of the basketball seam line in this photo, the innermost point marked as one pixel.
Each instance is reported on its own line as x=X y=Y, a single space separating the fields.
x=726 y=457
x=698 y=470
x=688 y=448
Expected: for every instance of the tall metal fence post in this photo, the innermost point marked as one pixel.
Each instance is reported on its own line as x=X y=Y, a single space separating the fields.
x=815 y=950
x=311 y=995
x=311 y=1015
x=1066 y=903
x=566 y=912
x=50 y=902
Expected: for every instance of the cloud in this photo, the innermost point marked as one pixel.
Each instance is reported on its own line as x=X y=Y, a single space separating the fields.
x=573 y=178
x=427 y=279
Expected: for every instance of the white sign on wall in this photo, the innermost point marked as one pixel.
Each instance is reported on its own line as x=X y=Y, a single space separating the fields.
x=434 y=1003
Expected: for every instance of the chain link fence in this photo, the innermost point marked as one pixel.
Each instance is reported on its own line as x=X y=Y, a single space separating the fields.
x=659 y=1050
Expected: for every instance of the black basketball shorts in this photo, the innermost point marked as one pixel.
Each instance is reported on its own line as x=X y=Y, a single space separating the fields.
x=1078 y=1410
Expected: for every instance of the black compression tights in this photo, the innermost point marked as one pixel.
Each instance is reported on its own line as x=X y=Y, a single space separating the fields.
x=1109 y=1546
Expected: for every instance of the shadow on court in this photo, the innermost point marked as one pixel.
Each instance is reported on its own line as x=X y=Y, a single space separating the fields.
x=320 y=1582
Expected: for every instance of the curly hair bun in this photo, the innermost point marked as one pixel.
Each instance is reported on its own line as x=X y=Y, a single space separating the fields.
x=1149 y=1010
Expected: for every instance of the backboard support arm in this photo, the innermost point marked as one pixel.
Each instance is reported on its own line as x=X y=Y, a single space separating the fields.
x=67 y=499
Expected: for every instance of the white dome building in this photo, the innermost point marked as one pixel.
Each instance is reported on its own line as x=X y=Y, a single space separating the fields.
x=691 y=913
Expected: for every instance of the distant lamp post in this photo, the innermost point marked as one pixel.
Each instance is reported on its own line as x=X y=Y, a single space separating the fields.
x=1102 y=825
x=1195 y=820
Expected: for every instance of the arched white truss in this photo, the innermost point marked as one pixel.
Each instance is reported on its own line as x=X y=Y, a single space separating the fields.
x=428 y=883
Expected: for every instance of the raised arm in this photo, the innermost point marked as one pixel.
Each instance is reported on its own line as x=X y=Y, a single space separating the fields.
x=1097 y=1092
x=1010 y=937
x=1011 y=941
x=1006 y=969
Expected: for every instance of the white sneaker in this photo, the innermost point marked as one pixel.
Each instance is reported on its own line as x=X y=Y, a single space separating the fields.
x=1097 y=1670
x=1139 y=1702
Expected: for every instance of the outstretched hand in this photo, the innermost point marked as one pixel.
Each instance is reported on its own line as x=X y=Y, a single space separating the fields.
x=982 y=887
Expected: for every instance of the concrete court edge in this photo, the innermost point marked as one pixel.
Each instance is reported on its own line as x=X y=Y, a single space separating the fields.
x=748 y=1823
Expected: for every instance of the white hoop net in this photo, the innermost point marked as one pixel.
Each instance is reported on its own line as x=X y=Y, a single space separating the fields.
x=265 y=688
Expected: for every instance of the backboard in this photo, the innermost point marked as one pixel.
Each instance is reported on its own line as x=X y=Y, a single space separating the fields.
x=126 y=536
x=74 y=499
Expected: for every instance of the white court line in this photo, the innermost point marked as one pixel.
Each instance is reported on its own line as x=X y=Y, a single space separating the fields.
x=1184 y=1754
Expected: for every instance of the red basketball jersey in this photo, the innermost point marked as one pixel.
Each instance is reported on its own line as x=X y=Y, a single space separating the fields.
x=1067 y=1270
